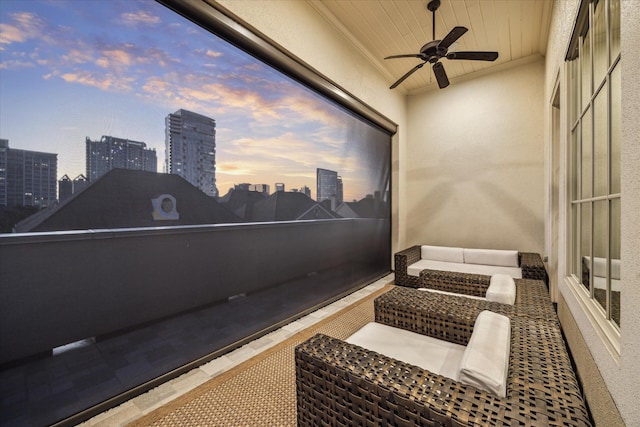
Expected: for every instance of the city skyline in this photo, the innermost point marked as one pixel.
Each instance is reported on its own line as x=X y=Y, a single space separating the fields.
x=118 y=68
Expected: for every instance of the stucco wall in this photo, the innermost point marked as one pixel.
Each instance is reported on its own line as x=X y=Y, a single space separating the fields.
x=598 y=364
x=628 y=390
x=476 y=169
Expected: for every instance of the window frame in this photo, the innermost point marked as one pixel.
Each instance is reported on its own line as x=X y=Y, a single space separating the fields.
x=583 y=107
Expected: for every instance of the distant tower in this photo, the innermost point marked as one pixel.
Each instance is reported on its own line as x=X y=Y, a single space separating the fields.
x=190 y=144
x=329 y=187
x=111 y=152
x=65 y=188
x=27 y=178
x=306 y=191
x=260 y=188
x=80 y=182
x=279 y=186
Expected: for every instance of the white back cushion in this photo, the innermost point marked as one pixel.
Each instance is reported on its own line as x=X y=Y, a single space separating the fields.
x=485 y=363
x=502 y=288
x=491 y=257
x=600 y=267
x=442 y=253
x=615 y=269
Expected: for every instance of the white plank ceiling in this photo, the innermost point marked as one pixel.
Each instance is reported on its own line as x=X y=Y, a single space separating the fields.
x=516 y=29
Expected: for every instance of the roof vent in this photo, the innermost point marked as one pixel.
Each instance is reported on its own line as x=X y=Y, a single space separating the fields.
x=164 y=208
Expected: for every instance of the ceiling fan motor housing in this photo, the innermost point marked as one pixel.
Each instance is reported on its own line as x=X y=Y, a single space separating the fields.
x=430 y=51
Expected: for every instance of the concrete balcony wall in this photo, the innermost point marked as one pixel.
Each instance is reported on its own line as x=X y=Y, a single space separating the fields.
x=57 y=288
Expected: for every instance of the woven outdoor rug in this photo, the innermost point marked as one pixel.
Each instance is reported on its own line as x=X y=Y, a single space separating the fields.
x=262 y=390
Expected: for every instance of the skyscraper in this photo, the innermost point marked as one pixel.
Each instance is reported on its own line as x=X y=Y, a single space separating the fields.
x=68 y=187
x=111 y=152
x=329 y=186
x=190 y=144
x=27 y=178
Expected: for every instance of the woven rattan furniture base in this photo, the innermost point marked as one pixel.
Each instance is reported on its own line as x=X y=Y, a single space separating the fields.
x=530 y=263
x=341 y=384
x=532 y=296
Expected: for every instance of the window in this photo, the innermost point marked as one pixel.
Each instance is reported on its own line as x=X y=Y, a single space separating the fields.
x=593 y=65
x=152 y=91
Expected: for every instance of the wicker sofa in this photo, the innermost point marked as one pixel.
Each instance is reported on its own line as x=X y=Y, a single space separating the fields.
x=341 y=384
x=532 y=296
x=529 y=262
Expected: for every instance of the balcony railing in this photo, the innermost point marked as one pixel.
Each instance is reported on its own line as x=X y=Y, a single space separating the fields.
x=61 y=287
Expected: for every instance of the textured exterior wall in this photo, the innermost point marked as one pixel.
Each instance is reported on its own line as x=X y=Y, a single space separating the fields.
x=475 y=174
x=603 y=372
x=627 y=390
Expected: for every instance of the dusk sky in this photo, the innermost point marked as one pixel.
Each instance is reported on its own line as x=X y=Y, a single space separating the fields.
x=71 y=69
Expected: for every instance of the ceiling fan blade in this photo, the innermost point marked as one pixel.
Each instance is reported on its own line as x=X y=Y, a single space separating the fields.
x=477 y=56
x=408 y=55
x=441 y=75
x=403 y=78
x=450 y=38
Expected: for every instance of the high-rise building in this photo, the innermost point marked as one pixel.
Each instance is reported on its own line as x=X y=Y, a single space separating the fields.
x=111 y=153
x=329 y=186
x=68 y=187
x=280 y=186
x=65 y=187
x=27 y=178
x=260 y=188
x=305 y=190
x=190 y=144
x=4 y=158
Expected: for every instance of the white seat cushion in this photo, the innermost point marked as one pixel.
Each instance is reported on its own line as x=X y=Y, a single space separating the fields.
x=601 y=283
x=415 y=268
x=491 y=257
x=438 y=356
x=442 y=253
x=485 y=363
x=502 y=288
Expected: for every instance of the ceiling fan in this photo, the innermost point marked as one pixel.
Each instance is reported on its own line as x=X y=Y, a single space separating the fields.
x=436 y=49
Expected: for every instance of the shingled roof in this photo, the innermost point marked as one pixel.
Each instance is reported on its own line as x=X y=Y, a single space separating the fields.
x=124 y=199
x=241 y=202
x=289 y=206
x=368 y=207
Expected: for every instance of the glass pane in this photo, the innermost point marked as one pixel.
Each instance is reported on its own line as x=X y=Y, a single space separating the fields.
x=616 y=264
x=600 y=248
x=574 y=91
x=614 y=13
x=615 y=129
x=600 y=59
x=586 y=156
x=585 y=243
x=585 y=66
x=575 y=163
x=600 y=143
x=576 y=264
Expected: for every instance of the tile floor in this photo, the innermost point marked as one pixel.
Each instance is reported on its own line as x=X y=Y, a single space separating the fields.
x=153 y=399
x=43 y=391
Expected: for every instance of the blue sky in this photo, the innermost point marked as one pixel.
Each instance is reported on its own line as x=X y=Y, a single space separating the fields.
x=71 y=69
